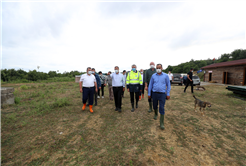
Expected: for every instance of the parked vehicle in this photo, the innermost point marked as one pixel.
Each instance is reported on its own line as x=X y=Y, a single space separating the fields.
x=196 y=80
x=177 y=79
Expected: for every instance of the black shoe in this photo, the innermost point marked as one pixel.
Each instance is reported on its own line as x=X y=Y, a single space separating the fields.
x=184 y=91
x=136 y=105
x=132 y=107
x=119 y=110
x=116 y=109
x=95 y=104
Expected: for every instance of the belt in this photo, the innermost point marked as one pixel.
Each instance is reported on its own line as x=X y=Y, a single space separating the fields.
x=117 y=86
x=89 y=87
x=160 y=92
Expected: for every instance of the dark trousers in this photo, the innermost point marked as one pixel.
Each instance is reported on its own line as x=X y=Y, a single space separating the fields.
x=102 y=88
x=140 y=93
x=95 y=96
x=117 y=96
x=187 y=84
x=122 y=93
x=88 y=93
x=136 y=96
x=161 y=98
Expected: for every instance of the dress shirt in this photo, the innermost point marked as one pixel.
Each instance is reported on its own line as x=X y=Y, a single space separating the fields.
x=88 y=80
x=159 y=83
x=170 y=76
x=118 y=79
x=142 y=78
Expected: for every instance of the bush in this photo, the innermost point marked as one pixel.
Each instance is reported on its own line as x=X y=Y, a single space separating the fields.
x=24 y=87
x=17 y=100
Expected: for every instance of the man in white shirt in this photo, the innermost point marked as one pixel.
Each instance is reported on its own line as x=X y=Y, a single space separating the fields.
x=170 y=75
x=89 y=87
x=124 y=74
x=118 y=83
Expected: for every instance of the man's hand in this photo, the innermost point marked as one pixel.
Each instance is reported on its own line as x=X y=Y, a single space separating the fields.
x=140 y=90
x=123 y=89
x=128 y=89
x=191 y=80
x=168 y=97
x=96 y=89
x=146 y=88
x=99 y=87
x=81 y=90
x=104 y=84
x=149 y=97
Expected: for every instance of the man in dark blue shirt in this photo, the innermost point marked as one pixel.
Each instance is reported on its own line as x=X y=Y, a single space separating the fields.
x=189 y=80
x=160 y=86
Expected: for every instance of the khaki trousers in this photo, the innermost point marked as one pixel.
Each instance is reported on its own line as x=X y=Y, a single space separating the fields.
x=111 y=93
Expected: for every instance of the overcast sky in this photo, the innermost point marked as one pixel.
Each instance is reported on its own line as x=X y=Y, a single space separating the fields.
x=68 y=36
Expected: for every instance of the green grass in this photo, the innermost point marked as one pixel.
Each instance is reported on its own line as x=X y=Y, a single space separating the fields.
x=31 y=129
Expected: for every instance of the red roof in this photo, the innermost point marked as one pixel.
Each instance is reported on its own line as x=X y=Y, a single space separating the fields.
x=229 y=63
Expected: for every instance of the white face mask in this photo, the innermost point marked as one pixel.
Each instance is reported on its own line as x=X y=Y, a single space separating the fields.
x=89 y=72
x=116 y=71
x=152 y=66
x=141 y=72
x=192 y=71
x=158 y=70
x=92 y=72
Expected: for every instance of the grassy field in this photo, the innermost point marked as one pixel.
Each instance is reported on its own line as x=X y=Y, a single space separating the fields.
x=46 y=126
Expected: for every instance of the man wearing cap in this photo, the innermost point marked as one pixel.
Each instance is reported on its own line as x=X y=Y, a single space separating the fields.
x=189 y=80
x=160 y=86
x=118 y=83
x=134 y=85
x=89 y=85
x=110 y=87
x=103 y=84
x=98 y=86
x=142 y=92
x=148 y=75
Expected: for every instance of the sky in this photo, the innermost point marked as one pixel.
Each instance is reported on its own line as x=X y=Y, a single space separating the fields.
x=74 y=35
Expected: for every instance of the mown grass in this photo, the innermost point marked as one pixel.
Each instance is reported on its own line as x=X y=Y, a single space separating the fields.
x=46 y=126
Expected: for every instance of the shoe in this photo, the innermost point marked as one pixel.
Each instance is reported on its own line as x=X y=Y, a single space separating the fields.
x=162 y=122
x=83 y=108
x=136 y=105
x=139 y=98
x=95 y=104
x=98 y=97
x=150 y=107
x=119 y=110
x=90 y=106
x=142 y=96
x=116 y=109
x=156 y=114
x=102 y=97
x=184 y=91
x=132 y=107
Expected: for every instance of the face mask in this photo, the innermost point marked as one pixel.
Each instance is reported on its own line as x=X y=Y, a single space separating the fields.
x=158 y=70
x=116 y=71
x=192 y=71
x=133 y=69
x=89 y=72
x=141 y=72
x=152 y=66
x=92 y=72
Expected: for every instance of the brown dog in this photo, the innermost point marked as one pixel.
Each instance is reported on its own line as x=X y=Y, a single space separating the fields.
x=201 y=104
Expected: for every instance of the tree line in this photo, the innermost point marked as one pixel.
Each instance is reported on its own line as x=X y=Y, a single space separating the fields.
x=197 y=64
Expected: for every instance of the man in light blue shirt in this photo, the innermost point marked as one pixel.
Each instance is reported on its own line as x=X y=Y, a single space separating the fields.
x=160 y=86
x=118 y=83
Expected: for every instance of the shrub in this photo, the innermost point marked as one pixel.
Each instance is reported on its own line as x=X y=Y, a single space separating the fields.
x=24 y=87
x=17 y=100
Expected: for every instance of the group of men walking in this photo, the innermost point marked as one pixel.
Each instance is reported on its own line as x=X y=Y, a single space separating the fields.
x=154 y=81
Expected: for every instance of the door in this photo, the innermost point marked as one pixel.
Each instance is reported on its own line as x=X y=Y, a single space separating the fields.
x=244 y=76
x=225 y=75
x=210 y=76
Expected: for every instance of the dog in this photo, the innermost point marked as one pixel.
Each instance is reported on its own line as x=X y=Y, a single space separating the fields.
x=201 y=104
x=198 y=86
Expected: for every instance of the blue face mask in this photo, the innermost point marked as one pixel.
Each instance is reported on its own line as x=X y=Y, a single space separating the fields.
x=133 y=69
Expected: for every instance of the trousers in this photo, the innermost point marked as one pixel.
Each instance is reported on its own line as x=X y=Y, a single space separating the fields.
x=110 y=92
x=95 y=96
x=132 y=96
x=88 y=93
x=117 y=96
x=189 y=83
x=161 y=98
x=102 y=88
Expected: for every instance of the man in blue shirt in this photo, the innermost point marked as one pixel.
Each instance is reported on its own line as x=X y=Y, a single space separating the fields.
x=160 y=86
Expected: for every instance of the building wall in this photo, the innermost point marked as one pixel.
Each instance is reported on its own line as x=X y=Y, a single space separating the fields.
x=235 y=74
